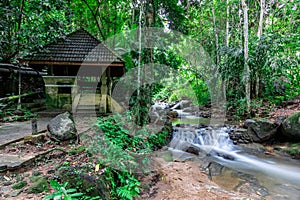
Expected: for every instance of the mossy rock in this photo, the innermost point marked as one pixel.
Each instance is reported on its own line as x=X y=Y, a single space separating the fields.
x=291 y=128
x=40 y=185
x=88 y=184
x=34 y=139
x=19 y=185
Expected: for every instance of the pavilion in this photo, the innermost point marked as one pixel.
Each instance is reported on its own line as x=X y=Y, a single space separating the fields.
x=80 y=71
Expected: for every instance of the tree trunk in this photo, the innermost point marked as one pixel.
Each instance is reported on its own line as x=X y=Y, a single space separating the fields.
x=247 y=68
x=259 y=34
x=140 y=50
x=226 y=43
x=227 y=24
x=216 y=35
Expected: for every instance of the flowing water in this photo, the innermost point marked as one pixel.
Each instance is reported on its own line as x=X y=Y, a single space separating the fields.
x=280 y=177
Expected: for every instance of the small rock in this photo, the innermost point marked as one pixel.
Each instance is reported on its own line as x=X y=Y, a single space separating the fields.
x=36 y=173
x=15 y=193
x=5 y=189
x=7 y=183
x=51 y=171
x=173 y=114
x=240 y=141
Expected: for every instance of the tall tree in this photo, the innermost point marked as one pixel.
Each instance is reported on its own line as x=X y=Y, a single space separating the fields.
x=259 y=34
x=246 y=57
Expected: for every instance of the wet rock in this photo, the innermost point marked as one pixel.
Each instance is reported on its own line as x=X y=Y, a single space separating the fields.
x=261 y=131
x=159 y=113
x=290 y=128
x=188 y=109
x=173 y=114
x=253 y=148
x=248 y=122
x=215 y=169
x=181 y=104
x=62 y=127
x=194 y=150
x=221 y=154
x=239 y=136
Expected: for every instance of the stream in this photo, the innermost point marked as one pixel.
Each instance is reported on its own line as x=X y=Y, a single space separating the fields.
x=275 y=177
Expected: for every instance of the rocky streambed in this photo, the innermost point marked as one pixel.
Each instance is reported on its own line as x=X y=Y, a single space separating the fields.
x=231 y=157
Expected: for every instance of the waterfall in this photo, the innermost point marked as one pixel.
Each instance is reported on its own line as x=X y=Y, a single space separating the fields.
x=215 y=142
x=205 y=138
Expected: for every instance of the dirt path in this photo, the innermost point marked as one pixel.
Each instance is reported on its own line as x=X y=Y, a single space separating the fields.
x=14 y=130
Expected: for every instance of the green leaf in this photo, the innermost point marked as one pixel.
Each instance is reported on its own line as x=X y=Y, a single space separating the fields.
x=55 y=195
x=71 y=190
x=76 y=195
x=55 y=185
x=67 y=197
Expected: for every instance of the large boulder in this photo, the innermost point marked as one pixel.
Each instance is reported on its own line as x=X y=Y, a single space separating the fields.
x=261 y=131
x=62 y=127
x=290 y=127
x=248 y=122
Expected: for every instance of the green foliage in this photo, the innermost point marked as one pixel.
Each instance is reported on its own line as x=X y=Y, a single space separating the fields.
x=62 y=192
x=19 y=185
x=294 y=150
x=123 y=149
x=124 y=184
x=121 y=131
x=28 y=25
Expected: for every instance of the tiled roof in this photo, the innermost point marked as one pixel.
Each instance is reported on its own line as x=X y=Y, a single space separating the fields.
x=79 y=46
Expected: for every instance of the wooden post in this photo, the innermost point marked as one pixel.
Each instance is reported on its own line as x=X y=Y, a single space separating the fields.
x=103 y=93
x=34 y=126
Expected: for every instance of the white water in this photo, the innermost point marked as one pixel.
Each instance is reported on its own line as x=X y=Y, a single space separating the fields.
x=216 y=143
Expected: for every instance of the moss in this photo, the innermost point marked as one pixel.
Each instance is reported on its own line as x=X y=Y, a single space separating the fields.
x=19 y=185
x=40 y=185
x=277 y=148
x=77 y=150
x=294 y=149
x=294 y=118
x=34 y=178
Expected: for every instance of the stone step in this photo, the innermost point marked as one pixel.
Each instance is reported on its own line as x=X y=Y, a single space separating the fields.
x=89 y=102
x=87 y=107
x=13 y=162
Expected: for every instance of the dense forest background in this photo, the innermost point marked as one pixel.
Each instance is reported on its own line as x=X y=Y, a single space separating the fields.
x=254 y=43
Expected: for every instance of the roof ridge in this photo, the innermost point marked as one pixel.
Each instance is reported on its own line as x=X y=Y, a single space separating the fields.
x=102 y=43
x=89 y=34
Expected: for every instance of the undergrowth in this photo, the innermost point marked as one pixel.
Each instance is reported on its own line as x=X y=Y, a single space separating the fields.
x=123 y=153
